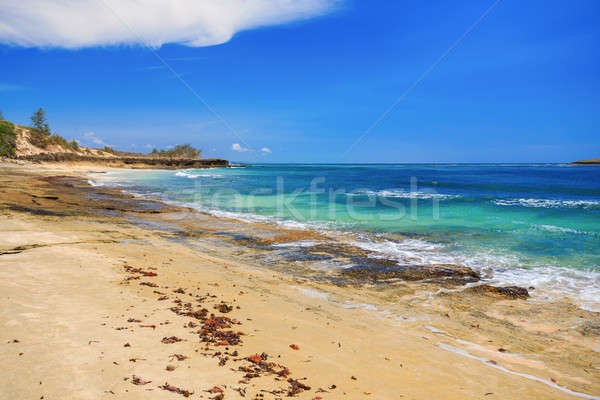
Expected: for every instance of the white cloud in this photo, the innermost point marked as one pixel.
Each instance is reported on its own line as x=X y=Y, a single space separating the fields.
x=90 y=137
x=237 y=147
x=85 y=23
x=265 y=150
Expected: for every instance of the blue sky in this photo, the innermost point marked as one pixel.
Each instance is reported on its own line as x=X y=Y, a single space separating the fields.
x=523 y=86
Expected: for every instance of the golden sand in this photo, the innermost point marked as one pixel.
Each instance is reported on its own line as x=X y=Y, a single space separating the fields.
x=76 y=322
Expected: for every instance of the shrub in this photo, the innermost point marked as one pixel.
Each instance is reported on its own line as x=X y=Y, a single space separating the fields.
x=38 y=139
x=109 y=149
x=179 y=151
x=8 y=139
x=62 y=142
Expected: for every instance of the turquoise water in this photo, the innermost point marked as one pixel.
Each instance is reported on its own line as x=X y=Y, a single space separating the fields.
x=520 y=224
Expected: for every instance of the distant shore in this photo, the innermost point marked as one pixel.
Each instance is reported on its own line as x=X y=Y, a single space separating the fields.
x=595 y=161
x=128 y=162
x=112 y=296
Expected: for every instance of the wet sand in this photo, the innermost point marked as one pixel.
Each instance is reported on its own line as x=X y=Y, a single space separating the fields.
x=104 y=293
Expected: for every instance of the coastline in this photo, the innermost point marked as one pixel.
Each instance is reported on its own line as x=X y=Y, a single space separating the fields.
x=137 y=162
x=65 y=234
x=595 y=161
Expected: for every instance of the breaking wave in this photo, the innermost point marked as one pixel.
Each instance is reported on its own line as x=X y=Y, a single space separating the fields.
x=547 y=203
x=190 y=175
x=400 y=193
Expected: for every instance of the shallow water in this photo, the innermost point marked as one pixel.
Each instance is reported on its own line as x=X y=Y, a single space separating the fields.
x=530 y=225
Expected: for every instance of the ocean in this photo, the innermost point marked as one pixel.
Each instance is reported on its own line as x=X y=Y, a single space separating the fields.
x=527 y=224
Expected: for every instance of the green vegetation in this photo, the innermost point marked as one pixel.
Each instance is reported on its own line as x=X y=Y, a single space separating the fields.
x=40 y=135
x=109 y=149
x=61 y=141
x=179 y=151
x=8 y=139
x=39 y=121
x=40 y=132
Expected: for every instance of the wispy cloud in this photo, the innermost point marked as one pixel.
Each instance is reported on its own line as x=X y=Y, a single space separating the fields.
x=90 y=138
x=266 y=150
x=238 y=147
x=85 y=23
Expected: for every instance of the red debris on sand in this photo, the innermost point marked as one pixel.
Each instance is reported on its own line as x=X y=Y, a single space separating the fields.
x=295 y=346
x=133 y=270
x=296 y=387
x=175 y=389
x=255 y=358
x=148 y=326
x=149 y=284
x=171 y=339
x=212 y=332
x=224 y=308
x=136 y=380
x=215 y=389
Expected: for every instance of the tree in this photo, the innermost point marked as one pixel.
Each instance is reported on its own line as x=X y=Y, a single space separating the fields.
x=1 y=116
x=39 y=121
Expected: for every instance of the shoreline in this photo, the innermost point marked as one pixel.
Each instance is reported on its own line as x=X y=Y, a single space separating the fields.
x=389 y=247
x=58 y=159
x=394 y=343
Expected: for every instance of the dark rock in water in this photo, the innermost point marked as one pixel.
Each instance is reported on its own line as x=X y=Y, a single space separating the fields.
x=510 y=292
x=436 y=272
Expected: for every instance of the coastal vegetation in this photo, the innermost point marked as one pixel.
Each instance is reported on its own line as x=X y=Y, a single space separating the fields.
x=179 y=151
x=8 y=138
x=42 y=137
x=182 y=151
x=38 y=142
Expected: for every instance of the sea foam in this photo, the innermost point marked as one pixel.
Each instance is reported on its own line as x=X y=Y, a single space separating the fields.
x=190 y=175
x=547 y=203
x=402 y=194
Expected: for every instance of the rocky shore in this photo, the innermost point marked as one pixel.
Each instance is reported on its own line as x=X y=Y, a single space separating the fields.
x=111 y=296
x=128 y=162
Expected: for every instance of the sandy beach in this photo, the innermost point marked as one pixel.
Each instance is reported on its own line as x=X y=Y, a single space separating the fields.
x=110 y=296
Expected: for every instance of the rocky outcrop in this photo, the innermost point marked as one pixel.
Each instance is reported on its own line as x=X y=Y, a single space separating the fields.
x=131 y=162
x=508 y=292
x=435 y=273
